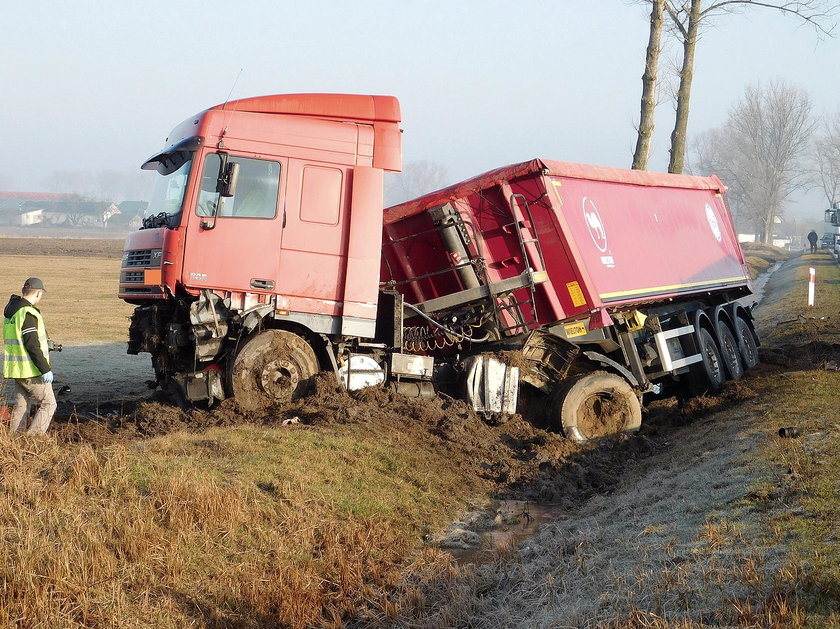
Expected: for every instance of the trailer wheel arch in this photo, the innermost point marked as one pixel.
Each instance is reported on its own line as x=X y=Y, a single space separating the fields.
x=599 y=360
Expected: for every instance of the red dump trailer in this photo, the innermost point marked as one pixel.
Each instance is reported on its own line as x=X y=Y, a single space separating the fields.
x=263 y=261
x=606 y=280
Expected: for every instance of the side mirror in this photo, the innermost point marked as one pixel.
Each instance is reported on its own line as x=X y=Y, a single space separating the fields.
x=229 y=179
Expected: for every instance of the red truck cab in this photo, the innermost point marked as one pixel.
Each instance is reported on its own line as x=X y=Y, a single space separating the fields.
x=299 y=223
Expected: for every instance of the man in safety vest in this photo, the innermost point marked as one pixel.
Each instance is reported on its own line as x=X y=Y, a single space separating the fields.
x=26 y=359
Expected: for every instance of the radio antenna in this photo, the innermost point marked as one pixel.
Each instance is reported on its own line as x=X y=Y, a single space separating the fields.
x=221 y=143
x=232 y=87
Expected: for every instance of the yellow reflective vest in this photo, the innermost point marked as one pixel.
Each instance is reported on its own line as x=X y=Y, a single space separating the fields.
x=16 y=360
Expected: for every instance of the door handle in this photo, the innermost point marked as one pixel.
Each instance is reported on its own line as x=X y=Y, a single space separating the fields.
x=262 y=284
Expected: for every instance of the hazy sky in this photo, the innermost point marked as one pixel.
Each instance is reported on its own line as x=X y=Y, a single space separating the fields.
x=98 y=85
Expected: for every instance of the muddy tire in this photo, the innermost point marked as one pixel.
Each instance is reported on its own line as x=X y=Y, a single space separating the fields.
x=746 y=343
x=273 y=367
x=730 y=353
x=711 y=370
x=597 y=405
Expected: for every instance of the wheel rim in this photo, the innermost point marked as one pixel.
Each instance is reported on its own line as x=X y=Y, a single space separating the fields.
x=279 y=378
x=731 y=354
x=272 y=368
x=711 y=360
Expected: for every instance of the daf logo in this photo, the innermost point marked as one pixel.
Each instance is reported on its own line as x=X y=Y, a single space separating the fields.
x=198 y=277
x=594 y=224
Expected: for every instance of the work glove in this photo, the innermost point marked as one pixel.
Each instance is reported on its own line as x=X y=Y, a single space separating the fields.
x=48 y=377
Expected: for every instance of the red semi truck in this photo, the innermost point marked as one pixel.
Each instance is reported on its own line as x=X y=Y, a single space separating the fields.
x=268 y=257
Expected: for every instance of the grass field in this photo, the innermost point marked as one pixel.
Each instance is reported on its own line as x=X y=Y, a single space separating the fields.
x=81 y=304
x=244 y=527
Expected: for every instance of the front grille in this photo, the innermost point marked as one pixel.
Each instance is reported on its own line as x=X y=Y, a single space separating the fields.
x=142 y=257
x=132 y=277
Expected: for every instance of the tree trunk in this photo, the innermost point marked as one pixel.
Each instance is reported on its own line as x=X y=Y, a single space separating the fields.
x=678 y=136
x=648 y=107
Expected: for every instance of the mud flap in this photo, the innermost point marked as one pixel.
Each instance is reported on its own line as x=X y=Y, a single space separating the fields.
x=491 y=386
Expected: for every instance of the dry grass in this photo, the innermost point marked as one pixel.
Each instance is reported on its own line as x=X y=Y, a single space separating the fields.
x=81 y=304
x=760 y=257
x=242 y=527
x=761 y=250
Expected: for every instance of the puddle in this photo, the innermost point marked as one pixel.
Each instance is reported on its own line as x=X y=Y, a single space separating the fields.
x=505 y=523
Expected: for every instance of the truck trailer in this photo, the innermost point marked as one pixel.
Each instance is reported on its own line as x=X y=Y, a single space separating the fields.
x=268 y=257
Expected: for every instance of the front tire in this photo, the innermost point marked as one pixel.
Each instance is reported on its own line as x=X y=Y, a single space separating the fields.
x=273 y=367
x=596 y=405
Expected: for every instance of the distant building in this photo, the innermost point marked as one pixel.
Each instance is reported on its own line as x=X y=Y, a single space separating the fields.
x=33 y=209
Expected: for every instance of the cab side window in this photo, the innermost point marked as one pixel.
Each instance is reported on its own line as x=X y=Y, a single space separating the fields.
x=256 y=191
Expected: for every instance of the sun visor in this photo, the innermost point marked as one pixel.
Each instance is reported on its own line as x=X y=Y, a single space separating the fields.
x=173 y=156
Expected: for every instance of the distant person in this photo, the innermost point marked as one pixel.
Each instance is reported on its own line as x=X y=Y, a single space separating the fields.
x=26 y=360
x=812 y=238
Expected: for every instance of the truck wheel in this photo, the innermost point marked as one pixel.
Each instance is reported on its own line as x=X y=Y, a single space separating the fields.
x=597 y=405
x=271 y=368
x=746 y=343
x=730 y=353
x=712 y=365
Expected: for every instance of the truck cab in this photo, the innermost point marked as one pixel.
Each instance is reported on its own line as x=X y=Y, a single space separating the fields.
x=269 y=205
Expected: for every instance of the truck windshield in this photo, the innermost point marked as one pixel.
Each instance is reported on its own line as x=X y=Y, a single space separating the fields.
x=167 y=200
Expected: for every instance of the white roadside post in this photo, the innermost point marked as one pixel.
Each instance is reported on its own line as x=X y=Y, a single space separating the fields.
x=812 y=278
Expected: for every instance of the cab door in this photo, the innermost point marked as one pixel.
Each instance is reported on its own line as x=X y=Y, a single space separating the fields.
x=233 y=242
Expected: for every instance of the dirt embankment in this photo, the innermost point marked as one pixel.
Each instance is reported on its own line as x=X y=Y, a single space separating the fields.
x=680 y=534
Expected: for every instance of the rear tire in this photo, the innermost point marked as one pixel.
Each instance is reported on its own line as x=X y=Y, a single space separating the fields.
x=746 y=343
x=273 y=367
x=596 y=405
x=730 y=353
x=712 y=365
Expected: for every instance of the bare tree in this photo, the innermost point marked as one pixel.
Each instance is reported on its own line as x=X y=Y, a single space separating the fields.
x=646 y=125
x=827 y=158
x=687 y=17
x=761 y=152
x=74 y=210
x=416 y=179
